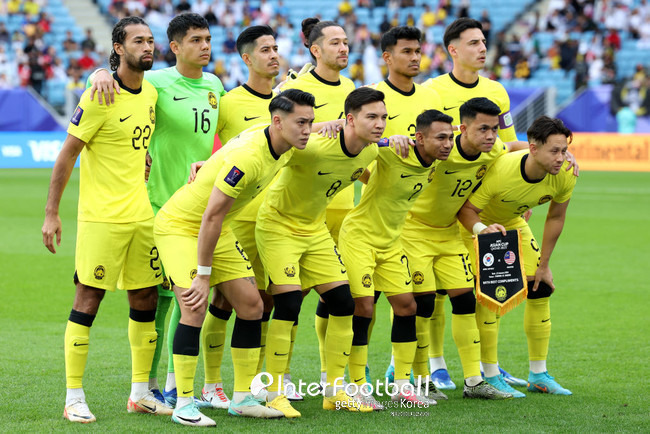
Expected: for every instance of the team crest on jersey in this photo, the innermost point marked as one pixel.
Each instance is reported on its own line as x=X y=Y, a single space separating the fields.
x=152 y=115
x=76 y=116
x=192 y=273
x=290 y=271
x=212 y=99
x=480 y=173
x=418 y=278
x=433 y=171
x=545 y=199
x=357 y=174
x=100 y=272
x=234 y=176
x=500 y=293
x=366 y=280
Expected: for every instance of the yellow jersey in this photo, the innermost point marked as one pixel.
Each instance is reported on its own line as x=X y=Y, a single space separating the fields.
x=455 y=93
x=242 y=108
x=111 y=186
x=297 y=200
x=241 y=170
x=506 y=192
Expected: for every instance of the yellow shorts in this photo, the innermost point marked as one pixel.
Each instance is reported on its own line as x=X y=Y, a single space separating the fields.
x=179 y=254
x=305 y=260
x=122 y=255
x=245 y=233
x=373 y=270
x=334 y=219
x=438 y=264
x=529 y=248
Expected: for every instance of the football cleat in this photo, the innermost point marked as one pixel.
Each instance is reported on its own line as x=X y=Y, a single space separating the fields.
x=216 y=398
x=78 y=411
x=390 y=374
x=484 y=390
x=368 y=378
x=290 y=390
x=430 y=390
x=282 y=404
x=410 y=397
x=148 y=404
x=343 y=401
x=513 y=381
x=191 y=416
x=251 y=407
x=158 y=395
x=441 y=379
x=544 y=383
x=498 y=382
x=170 y=397
x=364 y=396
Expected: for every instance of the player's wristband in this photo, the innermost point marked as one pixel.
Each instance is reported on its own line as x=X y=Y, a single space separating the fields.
x=478 y=227
x=202 y=270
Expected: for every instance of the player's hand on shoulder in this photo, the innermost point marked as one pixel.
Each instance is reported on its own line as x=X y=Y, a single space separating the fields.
x=543 y=274
x=51 y=229
x=527 y=214
x=197 y=294
x=401 y=144
x=331 y=128
x=572 y=163
x=105 y=86
x=194 y=169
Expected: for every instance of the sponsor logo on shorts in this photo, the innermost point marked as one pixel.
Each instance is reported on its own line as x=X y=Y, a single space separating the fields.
x=366 y=281
x=418 y=278
x=290 y=271
x=234 y=176
x=212 y=99
x=488 y=259
x=152 y=115
x=357 y=174
x=76 y=116
x=545 y=199
x=100 y=272
x=192 y=273
x=501 y=293
x=480 y=173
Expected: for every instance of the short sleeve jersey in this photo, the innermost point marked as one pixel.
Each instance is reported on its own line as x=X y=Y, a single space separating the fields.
x=453 y=181
x=330 y=103
x=298 y=198
x=187 y=112
x=242 y=108
x=392 y=189
x=240 y=170
x=455 y=93
x=112 y=187
x=506 y=191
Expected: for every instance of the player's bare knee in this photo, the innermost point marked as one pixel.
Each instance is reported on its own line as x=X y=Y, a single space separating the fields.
x=87 y=299
x=220 y=301
x=543 y=290
x=339 y=301
x=143 y=299
x=463 y=304
x=364 y=307
x=250 y=308
x=403 y=305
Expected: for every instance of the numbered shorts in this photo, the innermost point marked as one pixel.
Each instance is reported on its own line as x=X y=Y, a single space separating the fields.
x=245 y=233
x=303 y=260
x=334 y=219
x=437 y=264
x=179 y=255
x=122 y=255
x=165 y=288
x=529 y=248
x=371 y=270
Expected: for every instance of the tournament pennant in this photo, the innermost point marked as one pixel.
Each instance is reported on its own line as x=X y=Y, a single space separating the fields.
x=501 y=277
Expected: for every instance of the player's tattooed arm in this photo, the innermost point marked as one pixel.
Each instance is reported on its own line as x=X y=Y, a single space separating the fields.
x=105 y=85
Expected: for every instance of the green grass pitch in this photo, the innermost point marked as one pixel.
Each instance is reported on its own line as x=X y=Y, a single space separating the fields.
x=599 y=345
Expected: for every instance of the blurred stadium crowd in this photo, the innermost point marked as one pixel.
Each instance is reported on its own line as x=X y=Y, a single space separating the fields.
x=568 y=44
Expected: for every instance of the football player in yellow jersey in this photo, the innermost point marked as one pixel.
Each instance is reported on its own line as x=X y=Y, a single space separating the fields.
x=437 y=256
x=298 y=251
x=371 y=247
x=196 y=219
x=518 y=182
x=115 y=245
x=466 y=44
x=328 y=45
